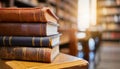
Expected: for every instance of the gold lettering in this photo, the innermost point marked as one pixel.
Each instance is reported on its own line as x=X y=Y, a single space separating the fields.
x=10 y=40
x=4 y=40
x=33 y=41
x=40 y=41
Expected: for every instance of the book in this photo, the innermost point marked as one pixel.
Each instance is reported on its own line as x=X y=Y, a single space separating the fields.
x=62 y=61
x=29 y=53
x=49 y=41
x=24 y=29
x=27 y=15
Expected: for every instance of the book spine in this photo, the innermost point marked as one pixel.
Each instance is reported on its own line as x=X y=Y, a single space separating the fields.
x=24 y=53
x=16 y=29
x=22 y=15
x=25 y=41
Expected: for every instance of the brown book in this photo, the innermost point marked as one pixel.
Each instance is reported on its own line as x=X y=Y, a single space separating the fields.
x=23 y=29
x=29 y=53
x=62 y=61
x=27 y=15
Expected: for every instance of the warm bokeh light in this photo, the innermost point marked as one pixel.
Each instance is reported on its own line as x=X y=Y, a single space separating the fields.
x=83 y=14
x=93 y=12
x=86 y=14
x=104 y=11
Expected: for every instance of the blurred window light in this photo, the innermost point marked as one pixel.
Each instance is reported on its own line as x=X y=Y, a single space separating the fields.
x=104 y=11
x=93 y=7
x=83 y=14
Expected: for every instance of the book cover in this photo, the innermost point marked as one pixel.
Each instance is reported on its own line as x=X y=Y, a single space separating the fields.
x=24 y=29
x=29 y=53
x=62 y=61
x=27 y=15
x=49 y=41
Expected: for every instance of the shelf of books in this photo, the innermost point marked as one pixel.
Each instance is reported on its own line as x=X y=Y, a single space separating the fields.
x=108 y=13
x=68 y=17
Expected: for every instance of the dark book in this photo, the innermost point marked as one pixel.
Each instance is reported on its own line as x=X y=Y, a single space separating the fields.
x=27 y=15
x=49 y=41
x=29 y=53
x=23 y=29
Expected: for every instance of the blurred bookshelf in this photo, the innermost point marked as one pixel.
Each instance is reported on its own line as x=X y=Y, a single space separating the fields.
x=108 y=16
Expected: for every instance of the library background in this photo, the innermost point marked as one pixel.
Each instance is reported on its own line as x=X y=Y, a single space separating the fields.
x=76 y=34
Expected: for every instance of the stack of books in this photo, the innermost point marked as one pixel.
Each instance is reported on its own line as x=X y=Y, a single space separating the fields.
x=29 y=34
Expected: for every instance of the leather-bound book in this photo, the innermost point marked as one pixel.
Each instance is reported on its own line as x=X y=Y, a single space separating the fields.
x=24 y=29
x=29 y=53
x=62 y=61
x=49 y=41
x=27 y=15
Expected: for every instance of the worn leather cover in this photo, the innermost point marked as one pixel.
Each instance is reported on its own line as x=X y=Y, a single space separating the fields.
x=29 y=53
x=28 y=41
x=27 y=15
x=62 y=61
x=24 y=29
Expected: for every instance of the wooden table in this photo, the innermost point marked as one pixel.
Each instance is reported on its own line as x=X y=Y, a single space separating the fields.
x=61 y=61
